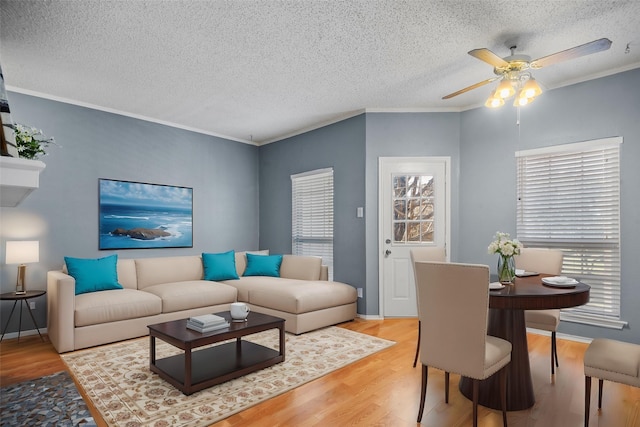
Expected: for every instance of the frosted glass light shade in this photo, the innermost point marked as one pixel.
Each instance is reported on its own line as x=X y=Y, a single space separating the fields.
x=22 y=252
x=531 y=89
x=494 y=101
x=521 y=101
x=505 y=89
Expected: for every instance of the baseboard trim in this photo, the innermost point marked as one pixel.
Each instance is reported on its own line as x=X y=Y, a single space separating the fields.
x=567 y=337
x=26 y=333
x=370 y=316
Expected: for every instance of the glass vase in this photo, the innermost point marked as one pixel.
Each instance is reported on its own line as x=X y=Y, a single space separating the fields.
x=506 y=269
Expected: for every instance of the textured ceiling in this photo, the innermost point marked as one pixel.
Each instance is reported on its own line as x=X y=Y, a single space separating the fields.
x=260 y=70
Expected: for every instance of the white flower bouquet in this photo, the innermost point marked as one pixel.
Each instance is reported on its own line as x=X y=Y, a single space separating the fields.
x=506 y=248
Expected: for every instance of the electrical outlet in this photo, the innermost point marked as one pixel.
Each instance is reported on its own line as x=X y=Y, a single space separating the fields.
x=359 y=292
x=32 y=305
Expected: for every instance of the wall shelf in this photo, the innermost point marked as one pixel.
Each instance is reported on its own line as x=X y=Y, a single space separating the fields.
x=18 y=178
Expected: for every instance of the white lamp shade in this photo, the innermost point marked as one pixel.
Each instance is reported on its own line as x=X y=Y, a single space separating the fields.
x=22 y=252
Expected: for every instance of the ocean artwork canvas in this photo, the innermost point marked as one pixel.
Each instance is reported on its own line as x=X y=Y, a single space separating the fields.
x=136 y=215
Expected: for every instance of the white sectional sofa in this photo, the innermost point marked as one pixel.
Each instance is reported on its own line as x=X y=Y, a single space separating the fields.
x=169 y=288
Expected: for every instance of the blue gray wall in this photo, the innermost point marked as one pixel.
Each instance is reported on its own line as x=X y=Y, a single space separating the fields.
x=406 y=135
x=600 y=108
x=340 y=146
x=63 y=213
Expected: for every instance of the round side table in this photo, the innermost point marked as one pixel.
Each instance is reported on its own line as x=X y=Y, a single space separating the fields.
x=12 y=296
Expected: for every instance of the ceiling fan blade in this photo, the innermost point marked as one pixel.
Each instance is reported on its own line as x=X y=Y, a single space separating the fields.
x=575 y=52
x=467 y=89
x=489 y=57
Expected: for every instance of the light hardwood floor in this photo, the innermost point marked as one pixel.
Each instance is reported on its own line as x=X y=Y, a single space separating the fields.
x=384 y=389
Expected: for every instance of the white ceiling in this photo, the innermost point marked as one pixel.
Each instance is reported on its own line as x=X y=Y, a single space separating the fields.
x=261 y=70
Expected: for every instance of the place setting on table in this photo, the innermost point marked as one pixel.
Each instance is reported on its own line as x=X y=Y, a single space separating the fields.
x=508 y=275
x=550 y=281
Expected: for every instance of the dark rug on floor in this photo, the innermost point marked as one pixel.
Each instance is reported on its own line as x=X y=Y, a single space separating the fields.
x=48 y=401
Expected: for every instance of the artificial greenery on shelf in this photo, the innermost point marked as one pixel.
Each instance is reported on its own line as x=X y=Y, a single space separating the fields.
x=31 y=142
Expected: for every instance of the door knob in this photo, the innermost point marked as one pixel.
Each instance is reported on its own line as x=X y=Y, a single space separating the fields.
x=387 y=252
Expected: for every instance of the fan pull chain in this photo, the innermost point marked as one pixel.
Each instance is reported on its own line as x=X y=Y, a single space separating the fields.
x=518 y=123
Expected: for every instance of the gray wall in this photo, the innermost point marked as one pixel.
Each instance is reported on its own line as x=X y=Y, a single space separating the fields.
x=600 y=108
x=352 y=147
x=340 y=146
x=63 y=213
x=405 y=135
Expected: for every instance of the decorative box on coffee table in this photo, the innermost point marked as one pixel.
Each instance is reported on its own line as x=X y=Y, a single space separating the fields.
x=195 y=370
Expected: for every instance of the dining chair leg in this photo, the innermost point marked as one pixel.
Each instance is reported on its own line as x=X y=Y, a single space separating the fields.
x=600 y=394
x=423 y=392
x=415 y=360
x=554 y=352
x=476 y=385
x=503 y=395
x=555 y=347
x=446 y=387
x=587 y=399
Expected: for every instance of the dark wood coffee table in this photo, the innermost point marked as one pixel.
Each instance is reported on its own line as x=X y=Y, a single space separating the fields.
x=196 y=370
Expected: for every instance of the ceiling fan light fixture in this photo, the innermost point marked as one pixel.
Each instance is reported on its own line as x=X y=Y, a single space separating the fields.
x=531 y=89
x=514 y=75
x=505 y=89
x=494 y=100
x=521 y=101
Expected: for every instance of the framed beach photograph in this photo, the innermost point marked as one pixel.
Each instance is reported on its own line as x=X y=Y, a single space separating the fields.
x=137 y=215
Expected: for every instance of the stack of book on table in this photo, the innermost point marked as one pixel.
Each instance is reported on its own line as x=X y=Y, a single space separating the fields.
x=207 y=323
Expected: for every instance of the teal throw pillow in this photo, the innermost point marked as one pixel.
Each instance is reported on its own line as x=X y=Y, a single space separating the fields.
x=220 y=266
x=93 y=274
x=263 y=265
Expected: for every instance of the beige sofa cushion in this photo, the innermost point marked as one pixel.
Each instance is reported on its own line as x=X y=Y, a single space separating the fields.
x=154 y=271
x=127 y=273
x=244 y=284
x=110 y=306
x=295 y=296
x=179 y=296
x=301 y=267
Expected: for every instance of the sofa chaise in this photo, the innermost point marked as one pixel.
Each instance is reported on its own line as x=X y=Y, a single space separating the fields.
x=169 y=288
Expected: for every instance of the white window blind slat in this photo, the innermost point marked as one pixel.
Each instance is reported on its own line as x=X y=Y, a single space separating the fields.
x=569 y=199
x=312 y=215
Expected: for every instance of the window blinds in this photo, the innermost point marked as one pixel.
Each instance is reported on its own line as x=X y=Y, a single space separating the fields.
x=569 y=199
x=312 y=215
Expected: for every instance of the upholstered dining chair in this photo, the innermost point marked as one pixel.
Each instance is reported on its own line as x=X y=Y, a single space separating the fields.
x=454 y=308
x=547 y=261
x=435 y=254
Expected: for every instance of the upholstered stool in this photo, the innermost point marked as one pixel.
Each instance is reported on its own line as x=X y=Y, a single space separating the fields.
x=609 y=360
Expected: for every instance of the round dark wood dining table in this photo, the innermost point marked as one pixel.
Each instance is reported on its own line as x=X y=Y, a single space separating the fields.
x=506 y=320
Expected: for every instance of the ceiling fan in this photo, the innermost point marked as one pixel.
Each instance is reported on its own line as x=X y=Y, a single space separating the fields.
x=514 y=73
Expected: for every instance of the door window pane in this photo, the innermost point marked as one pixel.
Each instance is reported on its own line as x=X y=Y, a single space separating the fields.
x=413 y=208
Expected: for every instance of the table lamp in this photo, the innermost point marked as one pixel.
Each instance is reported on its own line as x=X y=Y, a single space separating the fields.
x=21 y=253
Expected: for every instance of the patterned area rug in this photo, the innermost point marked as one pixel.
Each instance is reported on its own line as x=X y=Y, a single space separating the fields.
x=118 y=381
x=48 y=401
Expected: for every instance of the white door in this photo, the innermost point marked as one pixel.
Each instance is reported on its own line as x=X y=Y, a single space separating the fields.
x=413 y=212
